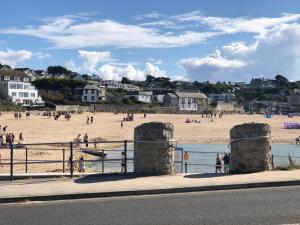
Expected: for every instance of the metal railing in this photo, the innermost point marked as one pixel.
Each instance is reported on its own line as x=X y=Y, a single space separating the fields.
x=65 y=149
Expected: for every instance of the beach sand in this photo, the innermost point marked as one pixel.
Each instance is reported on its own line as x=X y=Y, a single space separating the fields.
x=106 y=126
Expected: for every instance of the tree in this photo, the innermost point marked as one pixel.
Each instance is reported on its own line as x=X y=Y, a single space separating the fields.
x=282 y=81
x=125 y=80
x=57 y=70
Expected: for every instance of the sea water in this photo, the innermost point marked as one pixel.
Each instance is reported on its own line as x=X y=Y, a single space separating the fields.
x=201 y=157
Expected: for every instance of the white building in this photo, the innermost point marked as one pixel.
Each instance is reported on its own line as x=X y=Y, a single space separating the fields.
x=92 y=93
x=141 y=96
x=15 y=87
x=191 y=101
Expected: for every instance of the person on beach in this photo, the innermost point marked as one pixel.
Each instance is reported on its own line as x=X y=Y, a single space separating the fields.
x=77 y=141
x=21 y=137
x=145 y=115
x=123 y=162
x=88 y=120
x=218 y=164
x=86 y=140
x=122 y=124
x=92 y=119
x=81 y=168
x=226 y=162
x=4 y=129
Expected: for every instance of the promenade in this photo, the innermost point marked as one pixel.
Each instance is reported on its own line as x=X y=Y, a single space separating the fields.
x=59 y=188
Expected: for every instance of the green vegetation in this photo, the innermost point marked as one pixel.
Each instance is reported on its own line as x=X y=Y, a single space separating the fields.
x=59 y=91
x=288 y=168
x=7 y=106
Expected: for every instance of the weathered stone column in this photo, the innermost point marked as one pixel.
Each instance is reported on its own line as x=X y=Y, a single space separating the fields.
x=250 y=148
x=154 y=149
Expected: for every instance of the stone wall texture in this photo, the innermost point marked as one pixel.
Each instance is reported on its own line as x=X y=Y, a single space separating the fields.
x=154 y=149
x=250 y=148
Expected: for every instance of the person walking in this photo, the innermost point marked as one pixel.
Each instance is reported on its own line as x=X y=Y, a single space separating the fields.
x=122 y=124
x=92 y=119
x=86 y=140
x=88 y=120
x=123 y=160
x=81 y=168
x=218 y=164
x=226 y=161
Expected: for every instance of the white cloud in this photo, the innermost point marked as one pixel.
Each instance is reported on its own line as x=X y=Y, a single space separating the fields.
x=116 y=72
x=66 y=32
x=275 y=53
x=91 y=59
x=11 y=57
x=153 y=70
x=152 y=15
x=111 y=72
x=42 y=55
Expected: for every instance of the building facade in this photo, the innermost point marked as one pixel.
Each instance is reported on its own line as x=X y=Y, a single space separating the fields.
x=15 y=86
x=93 y=94
x=192 y=101
x=141 y=96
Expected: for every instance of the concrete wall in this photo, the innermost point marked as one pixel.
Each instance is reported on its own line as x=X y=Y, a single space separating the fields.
x=74 y=108
x=154 y=149
x=250 y=148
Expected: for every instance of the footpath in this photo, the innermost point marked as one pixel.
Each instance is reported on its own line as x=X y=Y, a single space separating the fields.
x=91 y=186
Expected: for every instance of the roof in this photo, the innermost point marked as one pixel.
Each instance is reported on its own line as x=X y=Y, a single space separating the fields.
x=12 y=72
x=190 y=95
x=93 y=87
x=172 y=95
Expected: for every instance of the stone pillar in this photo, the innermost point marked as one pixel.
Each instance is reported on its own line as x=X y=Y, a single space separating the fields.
x=250 y=148
x=154 y=149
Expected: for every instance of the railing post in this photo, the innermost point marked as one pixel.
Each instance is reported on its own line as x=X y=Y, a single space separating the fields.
x=272 y=161
x=185 y=167
x=95 y=144
x=11 y=162
x=64 y=159
x=71 y=160
x=125 y=156
x=102 y=161
x=26 y=160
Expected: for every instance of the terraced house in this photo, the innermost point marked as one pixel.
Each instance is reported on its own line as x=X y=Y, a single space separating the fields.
x=15 y=86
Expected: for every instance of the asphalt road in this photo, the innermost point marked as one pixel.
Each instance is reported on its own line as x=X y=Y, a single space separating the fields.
x=256 y=206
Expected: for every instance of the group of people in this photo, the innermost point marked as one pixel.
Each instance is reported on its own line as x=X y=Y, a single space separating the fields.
x=89 y=120
x=7 y=139
x=226 y=160
x=79 y=140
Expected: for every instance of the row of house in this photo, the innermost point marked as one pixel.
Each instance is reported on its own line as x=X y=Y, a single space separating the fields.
x=15 y=86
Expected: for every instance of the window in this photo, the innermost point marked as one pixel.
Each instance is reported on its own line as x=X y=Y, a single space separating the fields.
x=19 y=86
x=6 y=77
x=92 y=97
x=92 y=91
x=86 y=91
x=85 y=98
x=17 y=78
x=13 y=86
x=14 y=94
x=32 y=94
x=26 y=79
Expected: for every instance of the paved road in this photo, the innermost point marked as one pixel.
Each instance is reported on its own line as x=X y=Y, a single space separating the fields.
x=256 y=206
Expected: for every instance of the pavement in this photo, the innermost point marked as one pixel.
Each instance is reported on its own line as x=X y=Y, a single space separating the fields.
x=97 y=185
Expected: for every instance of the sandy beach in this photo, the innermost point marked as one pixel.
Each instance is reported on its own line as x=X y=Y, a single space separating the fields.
x=106 y=126
x=39 y=129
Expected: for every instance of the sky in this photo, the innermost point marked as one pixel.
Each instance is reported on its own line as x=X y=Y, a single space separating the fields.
x=207 y=40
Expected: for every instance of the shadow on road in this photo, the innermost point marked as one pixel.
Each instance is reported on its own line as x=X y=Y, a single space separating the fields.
x=95 y=178
x=205 y=175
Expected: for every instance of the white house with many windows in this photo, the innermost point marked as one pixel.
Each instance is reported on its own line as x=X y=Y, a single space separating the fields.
x=92 y=93
x=141 y=96
x=191 y=101
x=15 y=86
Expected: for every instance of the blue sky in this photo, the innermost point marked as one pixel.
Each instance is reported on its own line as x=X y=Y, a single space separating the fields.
x=190 y=40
